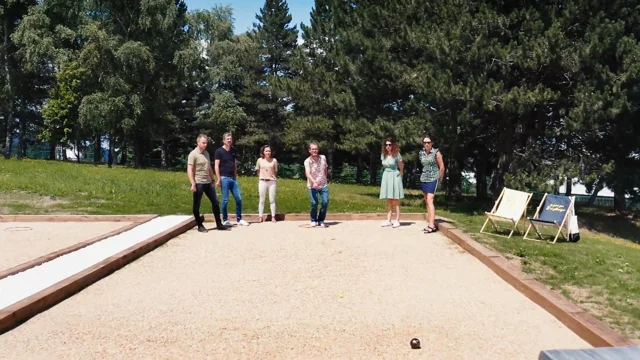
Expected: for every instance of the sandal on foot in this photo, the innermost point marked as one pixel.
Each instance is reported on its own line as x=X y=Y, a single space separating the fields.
x=429 y=229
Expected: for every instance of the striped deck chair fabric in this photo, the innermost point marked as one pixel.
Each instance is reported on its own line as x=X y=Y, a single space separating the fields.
x=510 y=207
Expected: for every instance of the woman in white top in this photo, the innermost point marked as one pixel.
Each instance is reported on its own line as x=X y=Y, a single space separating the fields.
x=267 y=169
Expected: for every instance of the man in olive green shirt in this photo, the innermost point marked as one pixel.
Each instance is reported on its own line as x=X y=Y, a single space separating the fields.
x=201 y=177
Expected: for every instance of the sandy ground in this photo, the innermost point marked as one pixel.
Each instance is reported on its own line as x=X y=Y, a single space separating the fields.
x=24 y=241
x=274 y=291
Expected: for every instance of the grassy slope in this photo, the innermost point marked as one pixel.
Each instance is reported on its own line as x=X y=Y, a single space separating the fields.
x=601 y=272
x=81 y=188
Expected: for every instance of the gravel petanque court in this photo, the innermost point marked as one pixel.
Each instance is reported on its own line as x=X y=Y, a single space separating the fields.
x=353 y=290
x=24 y=241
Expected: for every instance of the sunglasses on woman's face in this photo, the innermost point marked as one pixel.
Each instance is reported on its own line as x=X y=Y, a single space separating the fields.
x=426 y=142
x=387 y=144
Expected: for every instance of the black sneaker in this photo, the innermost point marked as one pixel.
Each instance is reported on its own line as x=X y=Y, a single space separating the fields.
x=202 y=229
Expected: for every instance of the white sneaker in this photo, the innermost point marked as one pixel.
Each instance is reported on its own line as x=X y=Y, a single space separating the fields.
x=226 y=223
x=243 y=223
x=322 y=224
x=314 y=224
x=386 y=223
x=396 y=224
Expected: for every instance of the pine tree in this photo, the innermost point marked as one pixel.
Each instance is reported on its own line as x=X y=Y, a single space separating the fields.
x=265 y=99
x=606 y=98
x=321 y=99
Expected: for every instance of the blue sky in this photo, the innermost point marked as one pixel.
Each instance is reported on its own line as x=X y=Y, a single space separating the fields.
x=244 y=11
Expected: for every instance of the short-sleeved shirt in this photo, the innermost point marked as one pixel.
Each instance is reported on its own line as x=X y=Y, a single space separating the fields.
x=267 y=169
x=317 y=170
x=201 y=163
x=430 y=169
x=390 y=163
x=227 y=161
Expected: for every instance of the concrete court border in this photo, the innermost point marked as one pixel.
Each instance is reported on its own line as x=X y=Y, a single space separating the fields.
x=16 y=314
x=583 y=324
x=576 y=319
x=135 y=219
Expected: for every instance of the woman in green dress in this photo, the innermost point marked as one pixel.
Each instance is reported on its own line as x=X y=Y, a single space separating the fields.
x=391 y=182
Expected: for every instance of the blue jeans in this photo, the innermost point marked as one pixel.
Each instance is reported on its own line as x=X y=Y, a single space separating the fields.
x=230 y=184
x=324 y=197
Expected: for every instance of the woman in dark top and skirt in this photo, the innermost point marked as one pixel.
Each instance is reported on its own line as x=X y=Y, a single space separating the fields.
x=432 y=174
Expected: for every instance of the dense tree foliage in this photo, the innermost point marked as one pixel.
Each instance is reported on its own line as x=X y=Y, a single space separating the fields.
x=522 y=94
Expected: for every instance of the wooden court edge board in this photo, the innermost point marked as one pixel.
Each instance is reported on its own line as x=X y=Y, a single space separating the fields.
x=74 y=218
x=583 y=324
x=69 y=249
x=19 y=312
x=331 y=217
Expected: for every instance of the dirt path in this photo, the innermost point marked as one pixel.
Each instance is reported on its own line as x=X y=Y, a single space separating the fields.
x=281 y=291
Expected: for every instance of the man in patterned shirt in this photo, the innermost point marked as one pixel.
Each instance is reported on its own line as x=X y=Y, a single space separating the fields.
x=316 y=170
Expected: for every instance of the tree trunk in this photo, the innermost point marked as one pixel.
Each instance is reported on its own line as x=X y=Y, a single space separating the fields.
x=454 y=172
x=9 y=115
x=330 y=153
x=408 y=179
x=619 y=189
x=77 y=150
x=599 y=185
x=52 y=150
x=137 y=150
x=163 y=155
x=359 y=171
x=8 y=142
x=97 y=150
x=111 y=158
x=22 y=153
x=619 y=201
x=373 y=168
x=22 y=141
x=481 y=176
x=569 y=184
x=504 y=158
x=123 y=151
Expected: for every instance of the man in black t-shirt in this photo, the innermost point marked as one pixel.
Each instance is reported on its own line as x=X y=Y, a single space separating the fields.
x=226 y=165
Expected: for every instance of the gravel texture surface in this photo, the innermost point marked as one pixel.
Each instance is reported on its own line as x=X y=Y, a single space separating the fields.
x=280 y=291
x=24 y=241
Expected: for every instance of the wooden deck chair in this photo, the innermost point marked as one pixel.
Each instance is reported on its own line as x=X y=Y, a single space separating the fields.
x=554 y=211
x=510 y=207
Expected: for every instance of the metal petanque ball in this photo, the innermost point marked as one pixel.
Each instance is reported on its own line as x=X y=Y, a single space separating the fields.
x=415 y=343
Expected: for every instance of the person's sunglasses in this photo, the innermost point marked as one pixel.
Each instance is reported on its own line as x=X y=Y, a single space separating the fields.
x=387 y=144
x=426 y=142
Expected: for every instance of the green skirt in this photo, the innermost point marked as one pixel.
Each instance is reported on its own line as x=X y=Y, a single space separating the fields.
x=391 y=185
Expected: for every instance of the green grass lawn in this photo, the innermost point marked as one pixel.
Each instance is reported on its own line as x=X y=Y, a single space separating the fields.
x=600 y=273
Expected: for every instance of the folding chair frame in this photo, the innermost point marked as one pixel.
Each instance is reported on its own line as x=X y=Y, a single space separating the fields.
x=491 y=218
x=541 y=224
